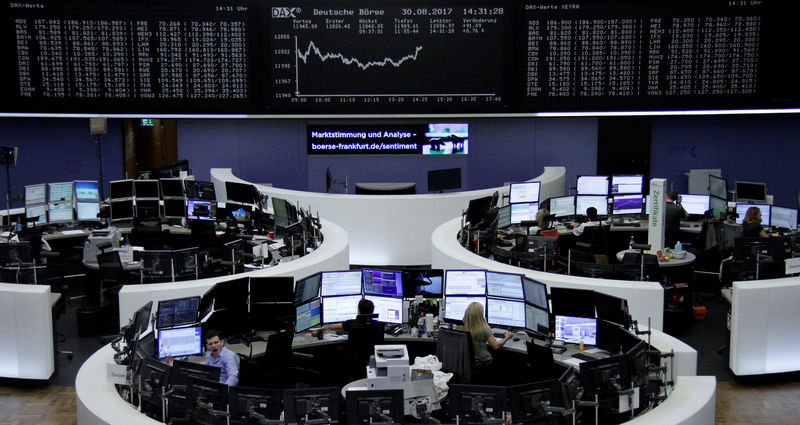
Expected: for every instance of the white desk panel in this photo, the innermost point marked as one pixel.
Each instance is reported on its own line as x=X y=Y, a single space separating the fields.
x=692 y=402
x=26 y=329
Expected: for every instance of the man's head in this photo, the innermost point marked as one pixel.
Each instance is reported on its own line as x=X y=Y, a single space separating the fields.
x=214 y=343
x=365 y=306
x=591 y=213
x=672 y=195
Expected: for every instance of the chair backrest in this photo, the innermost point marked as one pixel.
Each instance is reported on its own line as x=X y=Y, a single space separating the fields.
x=279 y=349
x=454 y=349
x=15 y=253
x=541 y=362
x=361 y=341
x=109 y=262
x=156 y=265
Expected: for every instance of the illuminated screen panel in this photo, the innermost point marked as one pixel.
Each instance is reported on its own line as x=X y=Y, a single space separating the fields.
x=563 y=206
x=524 y=192
x=201 y=210
x=177 y=312
x=382 y=282
x=389 y=309
x=87 y=211
x=576 y=329
x=695 y=204
x=741 y=209
x=60 y=192
x=87 y=191
x=465 y=282
x=505 y=313
x=38 y=211
x=60 y=212
x=340 y=309
x=785 y=218
x=505 y=285
x=308 y=315
x=35 y=194
x=524 y=212
x=583 y=202
x=341 y=283
x=592 y=185
x=536 y=319
x=454 y=307
x=504 y=217
x=536 y=293
x=626 y=184
x=627 y=204
x=179 y=342
x=306 y=289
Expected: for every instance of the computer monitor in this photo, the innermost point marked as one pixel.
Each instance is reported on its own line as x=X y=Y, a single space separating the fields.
x=347 y=282
x=320 y=404
x=717 y=187
x=455 y=306
x=476 y=403
x=15 y=252
x=177 y=312
x=148 y=208
x=718 y=206
x=271 y=289
x=60 y=192
x=627 y=184
x=210 y=398
x=576 y=329
x=122 y=210
x=282 y=212
x=741 y=209
x=87 y=211
x=184 y=371
x=374 y=406
x=240 y=213
x=506 y=285
x=60 y=213
x=339 y=309
x=524 y=212
x=507 y=313
x=613 y=309
x=383 y=282
x=196 y=189
x=306 y=288
x=177 y=342
x=241 y=192
x=308 y=315
x=535 y=293
x=626 y=204
x=175 y=208
x=35 y=194
x=478 y=210
x=229 y=294
x=695 y=204
x=465 y=282
x=604 y=375
x=86 y=190
x=171 y=188
x=445 y=179
x=425 y=282
x=562 y=206
x=524 y=192
x=572 y=302
x=388 y=309
x=528 y=402
x=751 y=192
x=592 y=185
x=201 y=210
x=140 y=321
x=537 y=320
x=146 y=188
x=120 y=189
x=38 y=211
x=784 y=218
x=583 y=202
x=247 y=403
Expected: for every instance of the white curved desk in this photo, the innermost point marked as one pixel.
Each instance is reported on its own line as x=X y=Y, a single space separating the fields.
x=332 y=254
x=389 y=229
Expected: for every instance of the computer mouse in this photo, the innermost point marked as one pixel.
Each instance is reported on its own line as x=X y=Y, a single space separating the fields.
x=516 y=338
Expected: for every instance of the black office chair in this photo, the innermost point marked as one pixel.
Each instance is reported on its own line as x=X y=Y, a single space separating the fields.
x=270 y=369
x=540 y=362
x=112 y=277
x=454 y=349
x=634 y=265
x=594 y=240
x=156 y=266
x=361 y=341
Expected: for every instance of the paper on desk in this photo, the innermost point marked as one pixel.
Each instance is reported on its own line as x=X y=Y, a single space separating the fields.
x=72 y=232
x=573 y=361
x=592 y=350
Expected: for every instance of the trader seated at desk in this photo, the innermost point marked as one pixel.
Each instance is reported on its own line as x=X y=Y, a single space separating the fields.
x=591 y=221
x=223 y=358
x=365 y=316
x=482 y=337
x=751 y=225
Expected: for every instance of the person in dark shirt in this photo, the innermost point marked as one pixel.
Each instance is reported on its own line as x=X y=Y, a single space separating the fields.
x=673 y=214
x=751 y=225
x=365 y=313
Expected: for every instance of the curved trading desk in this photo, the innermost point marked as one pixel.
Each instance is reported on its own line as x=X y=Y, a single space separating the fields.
x=389 y=229
x=332 y=254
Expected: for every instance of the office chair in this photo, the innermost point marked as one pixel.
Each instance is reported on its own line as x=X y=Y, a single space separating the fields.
x=112 y=276
x=147 y=233
x=454 y=349
x=156 y=266
x=540 y=362
x=186 y=263
x=647 y=267
x=594 y=240
x=361 y=341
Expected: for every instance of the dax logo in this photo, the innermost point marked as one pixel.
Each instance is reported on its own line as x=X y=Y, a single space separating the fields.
x=285 y=12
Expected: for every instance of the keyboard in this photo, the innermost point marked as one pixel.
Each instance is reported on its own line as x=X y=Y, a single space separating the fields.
x=498 y=335
x=582 y=356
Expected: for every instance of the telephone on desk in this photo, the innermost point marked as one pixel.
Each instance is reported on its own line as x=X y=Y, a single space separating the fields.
x=394 y=330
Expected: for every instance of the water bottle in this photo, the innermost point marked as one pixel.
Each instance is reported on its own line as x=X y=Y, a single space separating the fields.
x=421 y=328
x=679 y=246
x=630 y=245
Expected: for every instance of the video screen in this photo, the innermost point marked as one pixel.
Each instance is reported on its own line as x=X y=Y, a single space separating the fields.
x=695 y=204
x=201 y=210
x=178 y=342
x=505 y=313
x=171 y=188
x=174 y=208
x=524 y=192
x=504 y=217
x=524 y=212
x=576 y=329
x=307 y=288
x=340 y=309
x=741 y=209
x=87 y=211
x=536 y=319
x=454 y=307
x=626 y=184
x=120 y=189
x=146 y=188
x=382 y=282
x=582 y=203
x=592 y=185
x=505 y=285
x=465 y=282
x=86 y=191
x=122 y=210
x=563 y=206
x=718 y=187
x=425 y=282
x=60 y=212
x=341 y=283
x=388 y=309
x=785 y=218
x=60 y=192
x=536 y=293
x=177 y=312
x=308 y=315
x=627 y=204
x=35 y=194
x=38 y=211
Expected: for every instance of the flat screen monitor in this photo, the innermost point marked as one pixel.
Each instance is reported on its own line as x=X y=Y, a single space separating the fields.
x=272 y=289
x=741 y=209
x=148 y=208
x=196 y=189
x=141 y=320
x=35 y=194
x=240 y=213
x=388 y=309
x=339 y=309
x=717 y=187
x=120 y=189
x=524 y=192
x=611 y=308
x=38 y=211
x=504 y=217
x=383 y=282
x=476 y=404
x=572 y=302
x=454 y=307
x=751 y=192
x=282 y=212
x=576 y=329
x=229 y=294
x=506 y=285
x=171 y=188
x=528 y=402
x=60 y=192
x=592 y=185
x=695 y=204
x=146 y=188
x=627 y=184
x=465 y=282
x=177 y=312
x=718 y=206
x=524 y=212
x=583 y=202
x=122 y=210
x=87 y=211
x=626 y=204
x=478 y=209
x=346 y=282
x=306 y=289
x=60 y=212
x=510 y=313
x=425 y=282
x=322 y=404
x=374 y=406
x=562 y=206
x=174 y=208
x=201 y=210
x=246 y=403
x=177 y=342
x=535 y=293
x=537 y=320
x=308 y=315
x=241 y=192
x=445 y=179
x=784 y=218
